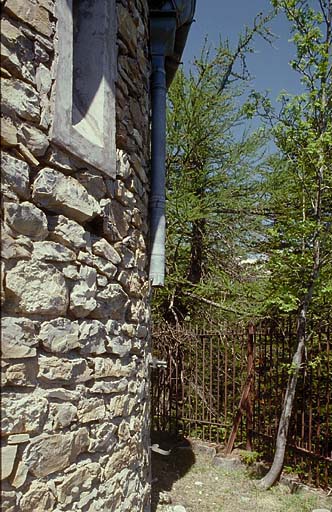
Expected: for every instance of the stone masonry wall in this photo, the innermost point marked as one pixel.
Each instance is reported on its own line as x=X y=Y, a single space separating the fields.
x=75 y=307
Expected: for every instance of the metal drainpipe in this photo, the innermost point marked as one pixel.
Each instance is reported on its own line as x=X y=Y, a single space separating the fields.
x=162 y=28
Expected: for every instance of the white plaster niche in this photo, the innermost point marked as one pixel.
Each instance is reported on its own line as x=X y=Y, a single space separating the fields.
x=84 y=110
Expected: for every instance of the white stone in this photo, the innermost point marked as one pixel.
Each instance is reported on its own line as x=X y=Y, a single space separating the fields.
x=23 y=414
x=25 y=218
x=52 y=251
x=68 y=232
x=65 y=195
x=49 y=453
x=119 y=346
x=112 y=368
x=22 y=98
x=59 y=335
x=18 y=248
x=91 y=410
x=43 y=79
x=38 y=498
x=93 y=182
x=62 y=394
x=8 y=455
x=54 y=369
x=18 y=337
x=35 y=140
x=111 y=303
x=15 y=176
x=64 y=415
x=83 y=477
x=20 y=475
x=18 y=438
x=92 y=337
x=102 y=248
x=114 y=386
x=28 y=296
x=82 y=296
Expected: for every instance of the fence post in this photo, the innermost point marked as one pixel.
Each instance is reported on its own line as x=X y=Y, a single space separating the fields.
x=251 y=374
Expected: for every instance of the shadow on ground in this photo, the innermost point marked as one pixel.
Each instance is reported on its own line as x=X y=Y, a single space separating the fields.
x=167 y=469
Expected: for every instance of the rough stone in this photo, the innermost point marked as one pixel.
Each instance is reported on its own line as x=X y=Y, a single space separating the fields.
x=68 y=232
x=112 y=368
x=127 y=29
x=23 y=283
x=103 y=439
x=92 y=337
x=59 y=335
x=54 y=369
x=8 y=501
x=8 y=455
x=19 y=248
x=116 y=220
x=18 y=337
x=119 y=346
x=18 y=438
x=82 y=296
x=62 y=394
x=111 y=303
x=102 y=248
x=22 y=374
x=15 y=175
x=21 y=98
x=113 y=386
x=226 y=463
x=93 y=183
x=65 y=195
x=22 y=414
x=47 y=454
x=118 y=461
x=25 y=218
x=91 y=410
x=43 y=79
x=64 y=415
x=39 y=498
x=20 y=475
x=84 y=477
x=52 y=251
x=33 y=14
x=16 y=52
x=8 y=132
x=34 y=139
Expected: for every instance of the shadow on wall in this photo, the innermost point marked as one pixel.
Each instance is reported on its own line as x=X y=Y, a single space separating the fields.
x=167 y=469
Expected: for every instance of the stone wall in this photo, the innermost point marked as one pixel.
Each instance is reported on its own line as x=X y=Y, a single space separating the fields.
x=75 y=331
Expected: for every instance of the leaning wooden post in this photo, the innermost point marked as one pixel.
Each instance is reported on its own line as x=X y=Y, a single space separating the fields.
x=251 y=374
x=244 y=397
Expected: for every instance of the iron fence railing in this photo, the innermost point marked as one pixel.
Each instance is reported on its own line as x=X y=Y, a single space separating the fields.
x=198 y=394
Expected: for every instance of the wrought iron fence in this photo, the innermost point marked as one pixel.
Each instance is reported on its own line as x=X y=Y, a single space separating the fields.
x=199 y=392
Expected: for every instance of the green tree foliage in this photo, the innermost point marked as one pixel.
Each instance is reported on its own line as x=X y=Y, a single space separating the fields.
x=213 y=189
x=300 y=238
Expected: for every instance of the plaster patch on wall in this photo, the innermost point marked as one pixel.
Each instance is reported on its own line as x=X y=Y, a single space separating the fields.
x=84 y=116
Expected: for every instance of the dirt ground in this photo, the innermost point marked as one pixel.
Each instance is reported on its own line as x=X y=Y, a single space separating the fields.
x=188 y=480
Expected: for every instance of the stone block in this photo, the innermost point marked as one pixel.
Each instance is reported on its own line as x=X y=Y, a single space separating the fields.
x=93 y=182
x=35 y=140
x=29 y=297
x=22 y=374
x=8 y=455
x=15 y=176
x=82 y=478
x=25 y=218
x=66 y=371
x=33 y=14
x=65 y=195
x=102 y=248
x=52 y=251
x=91 y=410
x=21 y=98
x=59 y=335
x=63 y=415
x=92 y=337
x=8 y=132
x=111 y=303
x=19 y=248
x=47 y=454
x=23 y=413
x=68 y=232
x=38 y=498
x=106 y=367
x=18 y=337
x=82 y=295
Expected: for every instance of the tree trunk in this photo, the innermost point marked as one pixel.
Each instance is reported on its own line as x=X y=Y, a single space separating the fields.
x=274 y=473
x=197 y=251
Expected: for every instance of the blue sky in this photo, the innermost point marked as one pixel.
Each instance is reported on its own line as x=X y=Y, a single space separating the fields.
x=226 y=19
